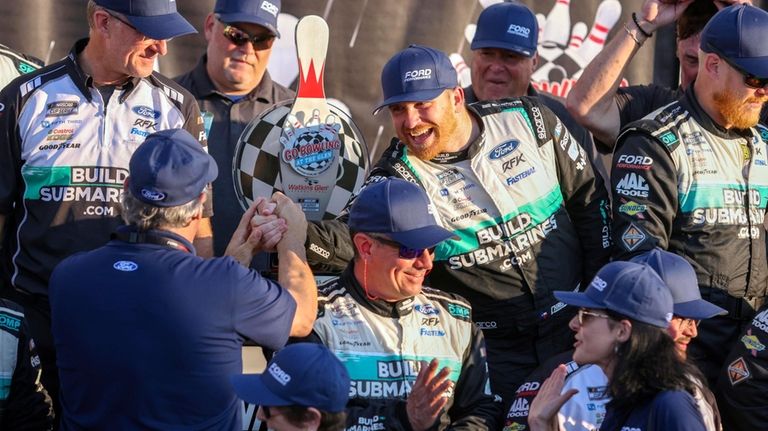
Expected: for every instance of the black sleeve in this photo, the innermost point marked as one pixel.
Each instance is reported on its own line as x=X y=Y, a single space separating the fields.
x=474 y=406
x=637 y=101
x=586 y=199
x=10 y=149
x=644 y=188
x=28 y=406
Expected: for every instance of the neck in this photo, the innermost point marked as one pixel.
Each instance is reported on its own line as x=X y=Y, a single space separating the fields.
x=92 y=61
x=187 y=232
x=468 y=130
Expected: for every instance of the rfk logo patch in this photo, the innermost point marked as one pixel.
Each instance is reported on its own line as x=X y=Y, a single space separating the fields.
x=738 y=371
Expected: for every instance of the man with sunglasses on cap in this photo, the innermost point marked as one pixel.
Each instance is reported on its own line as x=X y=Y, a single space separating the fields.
x=232 y=85
x=67 y=132
x=414 y=357
x=304 y=387
x=515 y=187
x=586 y=409
x=694 y=176
x=181 y=319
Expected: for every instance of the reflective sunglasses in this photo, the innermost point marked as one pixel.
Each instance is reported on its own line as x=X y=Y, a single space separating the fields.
x=403 y=251
x=583 y=312
x=240 y=38
x=750 y=80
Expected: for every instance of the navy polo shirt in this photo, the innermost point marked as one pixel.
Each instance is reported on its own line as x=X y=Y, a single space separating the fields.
x=148 y=335
x=668 y=411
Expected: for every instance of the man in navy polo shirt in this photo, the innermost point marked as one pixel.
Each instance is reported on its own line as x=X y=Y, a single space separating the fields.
x=178 y=321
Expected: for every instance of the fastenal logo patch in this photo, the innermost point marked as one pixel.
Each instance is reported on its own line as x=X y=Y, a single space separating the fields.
x=738 y=371
x=632 y=237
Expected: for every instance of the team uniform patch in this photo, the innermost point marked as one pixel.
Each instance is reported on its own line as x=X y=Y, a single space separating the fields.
x=738 y=371
x=632 y=237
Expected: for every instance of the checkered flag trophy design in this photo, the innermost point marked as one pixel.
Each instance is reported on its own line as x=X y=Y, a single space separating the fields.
x=310 y=149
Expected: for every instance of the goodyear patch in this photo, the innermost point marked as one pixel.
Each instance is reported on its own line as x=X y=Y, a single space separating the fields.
x=738 y=371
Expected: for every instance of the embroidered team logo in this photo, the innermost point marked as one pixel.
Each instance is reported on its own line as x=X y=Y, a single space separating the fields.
x=738 y=371
x=632 y=237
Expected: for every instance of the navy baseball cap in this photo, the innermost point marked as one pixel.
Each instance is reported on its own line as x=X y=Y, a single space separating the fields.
x=301 y=374
x=510 y=26
x=170 y=168
x=260 y=12
x=399 y=209
x=416 y=74
x=680 y=278
x=739 y=33
x=630 y=289
x=156 y=19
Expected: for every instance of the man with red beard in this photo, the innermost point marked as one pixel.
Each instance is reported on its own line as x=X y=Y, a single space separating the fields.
x=515 y=188
x=692 y=178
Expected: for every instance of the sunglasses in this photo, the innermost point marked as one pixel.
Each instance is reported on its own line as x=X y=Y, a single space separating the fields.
x=127 y=24
x=583 y=312
x=750 y=80
x=686 y=322
x=403 y=251
x=240 y=38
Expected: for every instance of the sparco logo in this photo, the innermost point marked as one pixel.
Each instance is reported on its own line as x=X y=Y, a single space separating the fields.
x=415 y=75
x=519 y=30
x=152 y=195
x=504 y=149
x=146 y=111
x=319 y=250
x=269 y=7
x=539 y=120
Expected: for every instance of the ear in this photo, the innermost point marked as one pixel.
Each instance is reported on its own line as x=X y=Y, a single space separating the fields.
x=534 y=61
x=712 y=65
x=363 y=244
x=624 y=331
x=458 y=96
x=313 y=418
x=100 y=20
x=210 y=22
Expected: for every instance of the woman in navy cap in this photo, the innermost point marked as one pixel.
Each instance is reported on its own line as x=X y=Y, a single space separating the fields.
x=621 y=326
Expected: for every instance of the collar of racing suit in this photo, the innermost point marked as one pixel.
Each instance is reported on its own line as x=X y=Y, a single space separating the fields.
x=84 y=82
x=378 y=306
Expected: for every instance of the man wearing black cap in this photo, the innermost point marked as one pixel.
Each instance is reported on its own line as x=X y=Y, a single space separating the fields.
x=696 y=174
x=67 y=132
x=181 y=319
x=414 y=357
x=232 y=85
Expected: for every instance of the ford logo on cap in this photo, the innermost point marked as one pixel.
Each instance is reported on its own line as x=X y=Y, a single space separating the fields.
x=504 y=149
x=152 y=195
x=146 y=111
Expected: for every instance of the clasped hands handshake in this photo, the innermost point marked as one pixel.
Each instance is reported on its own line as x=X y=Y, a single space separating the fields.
x=269 y=225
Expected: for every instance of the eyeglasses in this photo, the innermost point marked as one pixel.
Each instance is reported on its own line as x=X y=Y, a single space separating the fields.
x=750 y=80
x=686 y=323
x=240 y=38
x=583 y=312
x=127 y=24
x=403 y=251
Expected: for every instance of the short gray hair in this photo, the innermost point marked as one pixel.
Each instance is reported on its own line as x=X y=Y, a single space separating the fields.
x=145 y=217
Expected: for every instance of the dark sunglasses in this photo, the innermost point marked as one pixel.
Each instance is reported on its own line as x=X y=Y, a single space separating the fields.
x=403 y=251
x=240 y=38
x=750 y=80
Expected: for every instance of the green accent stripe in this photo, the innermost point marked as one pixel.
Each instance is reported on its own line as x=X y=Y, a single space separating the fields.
x=37 y=177
x=711 y=196
x=366 y=367
x=524 y=113
x=539 y=210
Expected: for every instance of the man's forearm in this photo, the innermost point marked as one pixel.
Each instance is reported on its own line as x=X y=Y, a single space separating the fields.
x=295 y=276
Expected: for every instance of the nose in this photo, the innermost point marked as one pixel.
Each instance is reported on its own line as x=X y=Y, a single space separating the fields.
x=691 y=330
x=574 y=324
x=424 y=261
x=160 y=46
x=411 y=117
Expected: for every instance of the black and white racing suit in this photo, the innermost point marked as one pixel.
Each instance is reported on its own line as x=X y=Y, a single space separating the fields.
x=531 y=218
x=683 y=183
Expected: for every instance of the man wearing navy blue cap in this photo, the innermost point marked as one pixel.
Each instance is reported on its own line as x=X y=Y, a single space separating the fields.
x=588 y=406
x=515 y=187
x=180 y=319
x=66 y=135
x=696 y=172
x=304 y=387
x=414 y=357
x=232 y=85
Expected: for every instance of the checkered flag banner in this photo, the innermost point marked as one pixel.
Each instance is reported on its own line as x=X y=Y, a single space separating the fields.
x=260 y=168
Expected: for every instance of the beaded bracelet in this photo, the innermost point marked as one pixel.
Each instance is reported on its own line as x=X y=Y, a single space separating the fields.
x=632 y=35
x=645 y=33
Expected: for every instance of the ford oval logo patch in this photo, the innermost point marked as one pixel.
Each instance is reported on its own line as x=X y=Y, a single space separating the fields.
x=504 y=149
x=152 y=195
x=146 y=111
x=125 y=266
x=427 y=309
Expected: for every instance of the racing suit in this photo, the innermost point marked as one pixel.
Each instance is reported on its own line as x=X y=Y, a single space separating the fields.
x=531 y=218
x=683 y=183
x=64 y=153
x=24 y=403
x=14 y=64
x=382 y=345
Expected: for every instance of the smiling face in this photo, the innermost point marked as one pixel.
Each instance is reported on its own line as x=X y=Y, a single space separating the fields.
x=428 y=128
x=499 y=73
x=682 y=331
x=127 y=53
x=234 y=69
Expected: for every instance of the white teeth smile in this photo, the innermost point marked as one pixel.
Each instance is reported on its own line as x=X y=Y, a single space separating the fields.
x=418 y=133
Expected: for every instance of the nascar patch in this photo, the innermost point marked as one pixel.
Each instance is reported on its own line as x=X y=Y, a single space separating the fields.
x=738 y=371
